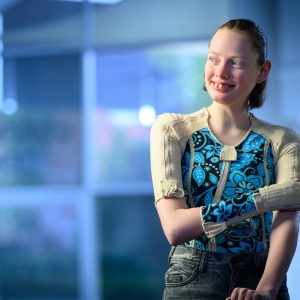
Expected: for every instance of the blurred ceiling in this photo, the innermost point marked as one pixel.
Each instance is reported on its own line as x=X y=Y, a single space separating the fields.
x=24 y=13
x=19 y=14
x=4 y=4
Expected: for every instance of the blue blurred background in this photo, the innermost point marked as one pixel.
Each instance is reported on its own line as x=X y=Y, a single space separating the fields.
x=80 y=85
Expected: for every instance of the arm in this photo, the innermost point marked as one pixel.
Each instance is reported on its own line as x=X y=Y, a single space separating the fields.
x=285 y=228
x=216 y=217
x=179 y=223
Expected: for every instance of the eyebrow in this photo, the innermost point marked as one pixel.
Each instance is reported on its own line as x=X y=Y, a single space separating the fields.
x=233 y=56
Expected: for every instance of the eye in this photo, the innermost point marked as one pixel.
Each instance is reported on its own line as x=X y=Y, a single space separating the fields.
x=213 y=59
x=237 y=62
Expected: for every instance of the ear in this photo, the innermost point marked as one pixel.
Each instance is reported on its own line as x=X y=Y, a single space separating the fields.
x=264 y=71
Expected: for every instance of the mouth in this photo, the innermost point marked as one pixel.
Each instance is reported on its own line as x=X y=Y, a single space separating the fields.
x=221 y=86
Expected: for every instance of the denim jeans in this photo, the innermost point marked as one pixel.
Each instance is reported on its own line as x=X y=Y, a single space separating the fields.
x=196 y=274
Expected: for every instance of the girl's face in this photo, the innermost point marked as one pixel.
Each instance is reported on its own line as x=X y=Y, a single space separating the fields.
x=231 y=69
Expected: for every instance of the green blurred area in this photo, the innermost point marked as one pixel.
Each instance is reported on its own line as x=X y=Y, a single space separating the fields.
x=38 y=276
x=134 y=251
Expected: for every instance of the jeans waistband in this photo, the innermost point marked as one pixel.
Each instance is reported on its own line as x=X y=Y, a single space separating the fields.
x=217 y=258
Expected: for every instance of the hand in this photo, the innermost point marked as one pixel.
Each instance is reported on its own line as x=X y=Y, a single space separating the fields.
x=248 y=294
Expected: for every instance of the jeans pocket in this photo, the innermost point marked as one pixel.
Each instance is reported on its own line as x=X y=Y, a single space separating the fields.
x=180 y=272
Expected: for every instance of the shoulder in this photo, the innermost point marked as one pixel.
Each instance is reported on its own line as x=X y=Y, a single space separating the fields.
x=182 y=124
x=279 y=135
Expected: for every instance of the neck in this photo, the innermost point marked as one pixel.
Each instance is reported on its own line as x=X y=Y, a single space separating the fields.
x=229 y=117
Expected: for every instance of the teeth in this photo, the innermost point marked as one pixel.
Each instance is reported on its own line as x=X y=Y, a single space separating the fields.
x=220 y=85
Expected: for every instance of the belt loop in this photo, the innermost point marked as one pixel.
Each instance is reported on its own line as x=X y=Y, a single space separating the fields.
x=171 y=253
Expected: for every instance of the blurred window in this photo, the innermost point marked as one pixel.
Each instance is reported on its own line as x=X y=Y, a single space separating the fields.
x=132 y=86
x=38 y=246
x=40 y=125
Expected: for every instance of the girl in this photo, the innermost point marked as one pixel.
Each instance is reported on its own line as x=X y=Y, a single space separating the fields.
x=218 y=175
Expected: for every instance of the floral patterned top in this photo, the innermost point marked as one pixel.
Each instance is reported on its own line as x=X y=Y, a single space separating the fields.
x=246 y=174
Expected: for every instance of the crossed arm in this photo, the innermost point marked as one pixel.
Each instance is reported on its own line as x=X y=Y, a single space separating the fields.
x=181 y=224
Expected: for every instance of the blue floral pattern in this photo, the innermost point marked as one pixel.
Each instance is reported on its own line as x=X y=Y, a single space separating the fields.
x=227 y=210
x=206 y=168
x=239 y=183
x=247 y=174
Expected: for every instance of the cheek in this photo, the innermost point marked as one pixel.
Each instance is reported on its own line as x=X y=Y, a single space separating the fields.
x=247 y=81
x=207 y=72
x=249 y=77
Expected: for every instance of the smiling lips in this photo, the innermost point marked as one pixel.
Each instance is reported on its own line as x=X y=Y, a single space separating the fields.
x=222 y=87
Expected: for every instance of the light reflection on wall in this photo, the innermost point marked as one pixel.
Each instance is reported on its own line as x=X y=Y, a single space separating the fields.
x=147 y=115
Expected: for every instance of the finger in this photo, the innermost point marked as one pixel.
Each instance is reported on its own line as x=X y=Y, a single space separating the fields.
x=238 y=294
x=251 y=295
x=234 y=294
x=242 y=294
x=245 y=294
x=257 y=297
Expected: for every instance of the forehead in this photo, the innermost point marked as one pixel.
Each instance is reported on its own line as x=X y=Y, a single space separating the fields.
x=232 y=43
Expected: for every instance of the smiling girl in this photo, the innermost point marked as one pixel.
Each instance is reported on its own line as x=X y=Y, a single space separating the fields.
x=226 y=184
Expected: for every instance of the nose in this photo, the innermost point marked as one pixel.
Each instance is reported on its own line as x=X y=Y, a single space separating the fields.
x=223 y=70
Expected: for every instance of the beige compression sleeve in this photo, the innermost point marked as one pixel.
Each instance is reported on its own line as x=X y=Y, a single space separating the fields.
x=165 y=154
x=285 y=194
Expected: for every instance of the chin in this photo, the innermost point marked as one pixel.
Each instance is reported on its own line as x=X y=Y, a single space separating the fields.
x=221 y=99
x=231 y=103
